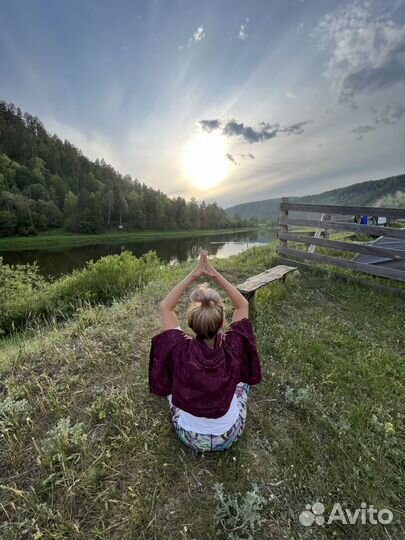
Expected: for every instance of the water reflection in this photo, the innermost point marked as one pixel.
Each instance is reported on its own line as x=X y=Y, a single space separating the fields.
x=54 y=262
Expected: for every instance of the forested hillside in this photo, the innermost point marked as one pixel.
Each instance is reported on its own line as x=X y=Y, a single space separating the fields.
x=388 y=192
x=46 y=183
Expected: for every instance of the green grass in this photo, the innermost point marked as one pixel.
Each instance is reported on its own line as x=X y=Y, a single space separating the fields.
x=88 y=453
x=59 y=239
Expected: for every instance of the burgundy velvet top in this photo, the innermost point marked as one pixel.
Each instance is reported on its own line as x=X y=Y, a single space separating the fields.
x=202 y=381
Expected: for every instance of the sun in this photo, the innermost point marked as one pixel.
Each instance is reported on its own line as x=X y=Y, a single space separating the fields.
x=204 y=160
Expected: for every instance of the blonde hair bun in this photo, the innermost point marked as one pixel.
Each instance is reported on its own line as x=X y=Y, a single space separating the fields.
x=206 y=312
x=204 y=295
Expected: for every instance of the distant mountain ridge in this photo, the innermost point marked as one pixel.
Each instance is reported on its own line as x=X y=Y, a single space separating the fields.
x=388 y=192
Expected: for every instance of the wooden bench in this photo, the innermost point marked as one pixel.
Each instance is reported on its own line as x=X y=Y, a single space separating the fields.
x=252 y=284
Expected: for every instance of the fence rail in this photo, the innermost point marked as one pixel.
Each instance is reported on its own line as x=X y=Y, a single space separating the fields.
x=341 y=226
x=396 y=213
x=395 y=254
x=352 y=265
x=285 y=236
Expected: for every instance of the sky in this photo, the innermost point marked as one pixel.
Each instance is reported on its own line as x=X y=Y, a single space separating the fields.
x=293 y=96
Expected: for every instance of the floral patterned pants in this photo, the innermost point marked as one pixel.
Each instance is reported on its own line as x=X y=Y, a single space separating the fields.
x=215 y=443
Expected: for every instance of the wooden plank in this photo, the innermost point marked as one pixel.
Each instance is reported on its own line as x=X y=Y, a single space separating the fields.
x=284 y=217
x=397 y=213
x=351 y=227
x=339 y=275
x=260 y=280
x=345 y=246
x=374 y=270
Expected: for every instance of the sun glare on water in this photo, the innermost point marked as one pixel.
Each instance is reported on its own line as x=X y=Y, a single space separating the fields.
x=204 y=160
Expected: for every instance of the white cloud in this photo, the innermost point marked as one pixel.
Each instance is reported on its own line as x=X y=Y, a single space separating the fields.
x=242 y=30
x=198 y=35
x=366 y=48
x=290 y=95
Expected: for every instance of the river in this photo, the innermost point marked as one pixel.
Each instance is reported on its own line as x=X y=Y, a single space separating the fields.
x=54 y=262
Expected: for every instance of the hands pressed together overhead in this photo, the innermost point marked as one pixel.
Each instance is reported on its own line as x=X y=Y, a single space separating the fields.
x=204 y=267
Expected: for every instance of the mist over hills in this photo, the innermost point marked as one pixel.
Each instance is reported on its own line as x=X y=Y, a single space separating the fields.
x=389 y=192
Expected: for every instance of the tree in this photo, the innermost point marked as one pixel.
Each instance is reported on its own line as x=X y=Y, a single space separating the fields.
x=110 y=206
x=70 y=222
x=59 y=190
x=8 y=222
x=36 y=192
x=90 y=219
x=54 y=217
x=136 y=215
x=193 y=213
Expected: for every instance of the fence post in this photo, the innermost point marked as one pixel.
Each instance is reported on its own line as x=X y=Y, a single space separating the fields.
x=283 y=228
x=318 y=232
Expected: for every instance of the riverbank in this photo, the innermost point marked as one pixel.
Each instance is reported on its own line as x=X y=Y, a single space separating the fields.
x=87 y=452
x=59 y=239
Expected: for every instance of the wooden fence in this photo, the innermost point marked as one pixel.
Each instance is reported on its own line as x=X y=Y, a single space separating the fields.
x=285 y=235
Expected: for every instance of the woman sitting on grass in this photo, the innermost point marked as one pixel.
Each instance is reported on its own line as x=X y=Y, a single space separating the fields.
x=206 y=378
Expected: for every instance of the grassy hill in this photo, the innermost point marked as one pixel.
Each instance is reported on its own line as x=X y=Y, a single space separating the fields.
x=387 y=192
x=87 y=453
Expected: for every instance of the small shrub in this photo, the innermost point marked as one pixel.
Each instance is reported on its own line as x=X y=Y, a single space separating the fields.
x=299 y=398
x=239 y=516
x=388 y=433
x=65 y=443
x=14 y=418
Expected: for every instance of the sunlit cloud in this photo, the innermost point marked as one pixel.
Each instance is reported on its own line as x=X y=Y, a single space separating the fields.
x=196 y=36
x=242 y=31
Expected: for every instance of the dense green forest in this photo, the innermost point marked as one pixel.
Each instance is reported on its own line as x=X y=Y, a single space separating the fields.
x=388 y=192
x=46 y=183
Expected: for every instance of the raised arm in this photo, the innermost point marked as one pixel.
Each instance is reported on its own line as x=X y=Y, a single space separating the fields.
x=239 y=302
x=167 y=305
